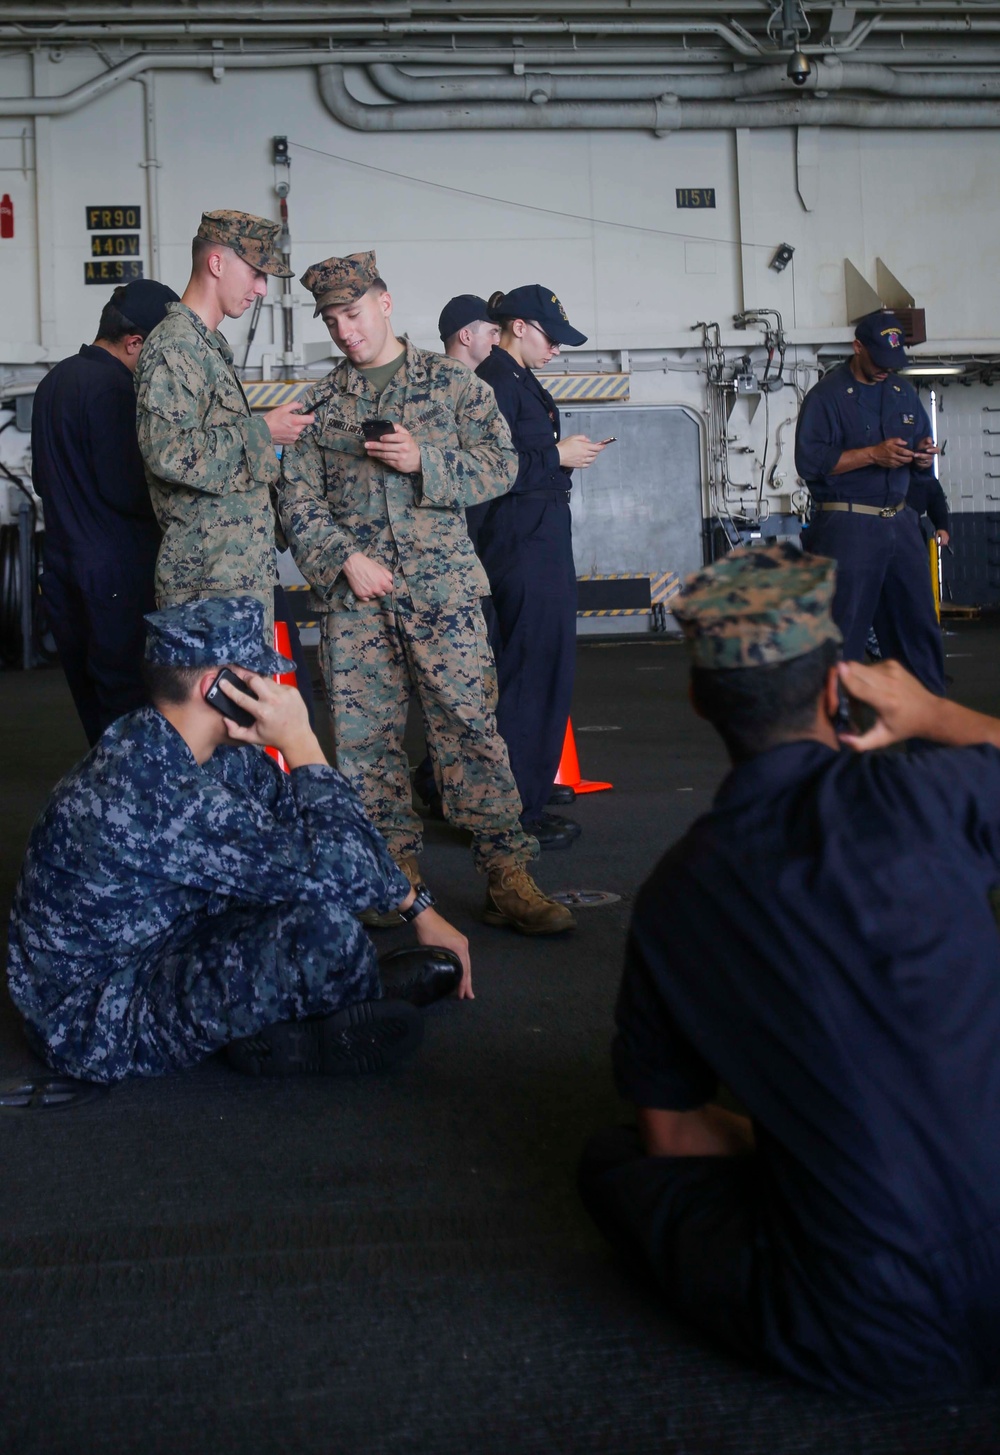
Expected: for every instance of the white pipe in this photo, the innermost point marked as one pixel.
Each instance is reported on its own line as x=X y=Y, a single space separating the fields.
x=325 y=31
x=830 y=74
x=221 y=61
x=660 y=115
x=152 y=166
x=138 y=64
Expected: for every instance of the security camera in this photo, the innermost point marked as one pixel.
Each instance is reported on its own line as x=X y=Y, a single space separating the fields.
x=799 y=68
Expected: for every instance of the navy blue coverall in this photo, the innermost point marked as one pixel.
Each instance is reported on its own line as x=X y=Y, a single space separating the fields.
x=101 y=537
x=822 y=943
x=525 y=542
x=883 y=577
x=926 y=497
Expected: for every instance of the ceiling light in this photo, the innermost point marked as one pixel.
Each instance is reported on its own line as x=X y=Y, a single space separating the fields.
x=931 y=371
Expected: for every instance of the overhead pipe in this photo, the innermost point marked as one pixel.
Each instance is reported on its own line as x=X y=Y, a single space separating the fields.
x=831 y=74
x=660 y=114
x=131 y=10
x=734 y=36
x=35 y=18
x=643 y=110
x=135 y=66
x=219 y=61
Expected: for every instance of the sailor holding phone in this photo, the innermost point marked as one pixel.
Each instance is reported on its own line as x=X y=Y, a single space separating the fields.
x=526 y=544
x=181 y=894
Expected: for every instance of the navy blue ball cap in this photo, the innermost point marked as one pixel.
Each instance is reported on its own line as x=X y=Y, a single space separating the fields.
x=538 y=305
x=882 y=335
x=218 y=631
x=144 y=302
x=459 y=312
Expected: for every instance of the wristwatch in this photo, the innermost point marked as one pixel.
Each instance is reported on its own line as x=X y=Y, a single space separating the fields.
x=422 y=900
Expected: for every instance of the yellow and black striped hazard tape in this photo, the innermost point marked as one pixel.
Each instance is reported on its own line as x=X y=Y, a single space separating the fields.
x=269 y=393
x=662 y=587
x=580 y=388
x=587 y=388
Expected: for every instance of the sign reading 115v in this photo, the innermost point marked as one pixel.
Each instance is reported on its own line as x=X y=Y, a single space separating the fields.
x=695 y=196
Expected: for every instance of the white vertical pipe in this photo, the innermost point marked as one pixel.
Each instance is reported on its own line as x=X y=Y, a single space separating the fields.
x=44 y=228
x=745 y=203
x=152 y=165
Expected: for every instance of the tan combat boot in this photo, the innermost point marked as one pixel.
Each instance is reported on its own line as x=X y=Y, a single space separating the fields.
x=391 y=920
x=513 y=898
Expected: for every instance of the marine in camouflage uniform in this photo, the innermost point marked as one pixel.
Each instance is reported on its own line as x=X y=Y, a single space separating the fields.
x=165 y=909
x=210 y=463
x=428 y=635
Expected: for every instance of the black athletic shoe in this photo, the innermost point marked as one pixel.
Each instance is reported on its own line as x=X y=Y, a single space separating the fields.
x=562 y=793
x=420 y=974
x=553 y=832
x=370 y=1036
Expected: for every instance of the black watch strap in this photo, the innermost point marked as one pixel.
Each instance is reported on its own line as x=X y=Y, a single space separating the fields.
x=423 y=899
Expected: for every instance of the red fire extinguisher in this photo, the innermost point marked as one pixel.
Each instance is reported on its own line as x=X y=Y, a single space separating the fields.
x=6 y=216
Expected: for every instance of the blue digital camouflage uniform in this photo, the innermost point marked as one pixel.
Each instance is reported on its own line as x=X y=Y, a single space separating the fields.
x=165 y=909
x=210 y=466
x=429 y=636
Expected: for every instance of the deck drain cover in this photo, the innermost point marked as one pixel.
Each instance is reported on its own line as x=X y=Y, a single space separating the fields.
x=46 y=1093
x=585 y=898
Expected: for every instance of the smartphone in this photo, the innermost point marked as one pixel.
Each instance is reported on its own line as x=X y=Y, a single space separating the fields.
x=218 y=699
x=609 y=441
x=843 y=720
x=377 y=429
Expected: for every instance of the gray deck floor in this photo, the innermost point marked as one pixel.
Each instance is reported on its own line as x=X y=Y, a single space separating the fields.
x=397 y=1264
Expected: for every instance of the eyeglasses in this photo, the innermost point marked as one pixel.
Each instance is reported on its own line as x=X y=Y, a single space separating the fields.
x=537 y=326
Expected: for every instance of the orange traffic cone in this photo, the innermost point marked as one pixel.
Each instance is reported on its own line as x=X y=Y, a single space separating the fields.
x=283 y=646
x=569 y=767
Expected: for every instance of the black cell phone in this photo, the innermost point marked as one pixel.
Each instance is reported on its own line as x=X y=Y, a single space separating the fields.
x=218 y=699
x=377 y=429
x=842 y=722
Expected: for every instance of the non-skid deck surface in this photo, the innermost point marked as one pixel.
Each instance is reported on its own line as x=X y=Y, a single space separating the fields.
x=394 y=1265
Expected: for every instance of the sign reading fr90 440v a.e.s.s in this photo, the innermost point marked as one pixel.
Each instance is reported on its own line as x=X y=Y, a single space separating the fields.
x=115 y=253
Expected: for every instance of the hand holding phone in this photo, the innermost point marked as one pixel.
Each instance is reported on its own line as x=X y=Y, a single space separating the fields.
x=216 y=697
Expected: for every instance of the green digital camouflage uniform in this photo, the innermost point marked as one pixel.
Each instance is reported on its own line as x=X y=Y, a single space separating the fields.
x=210 y=464
x=429 y=636
x=759 y=606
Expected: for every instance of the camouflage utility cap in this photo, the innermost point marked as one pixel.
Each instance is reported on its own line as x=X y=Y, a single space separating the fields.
x=337 y=281
x=758 y=607
x=254 y=239
x=215 y=632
